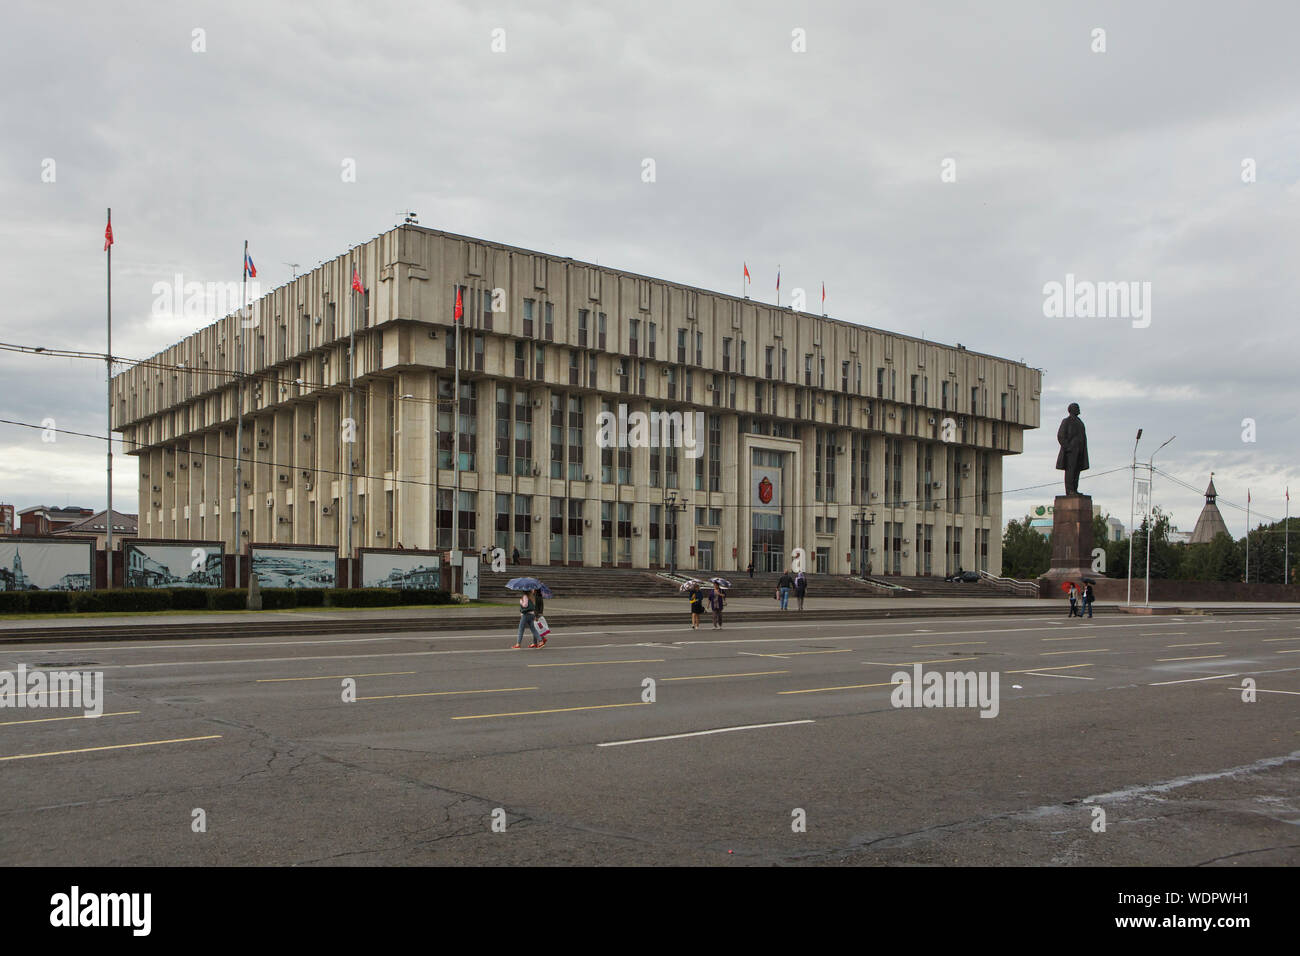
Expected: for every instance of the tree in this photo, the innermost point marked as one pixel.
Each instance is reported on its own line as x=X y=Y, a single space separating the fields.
x=1219 y=560
x=1026 y=554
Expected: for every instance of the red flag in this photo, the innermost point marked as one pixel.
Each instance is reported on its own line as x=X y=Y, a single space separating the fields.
x=356 y=282
x=250 y=270
x=460 y=309
x=823 y=293
x=108 y=235
x=746 y=271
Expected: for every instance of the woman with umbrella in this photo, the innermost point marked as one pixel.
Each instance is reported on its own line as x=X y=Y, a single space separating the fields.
x=717 y=601
x=529 y=608
x=697 y=604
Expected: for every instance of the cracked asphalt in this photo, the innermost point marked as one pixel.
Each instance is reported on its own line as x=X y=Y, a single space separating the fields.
x=461 y=751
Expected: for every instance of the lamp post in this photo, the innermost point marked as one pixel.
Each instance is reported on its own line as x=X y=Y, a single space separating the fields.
x=673 y=506
x=865 y=520
x=1132 y=510
x=1150 y=482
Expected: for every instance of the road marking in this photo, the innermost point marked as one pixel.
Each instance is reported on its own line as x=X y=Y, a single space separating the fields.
x=1269 y=640
x=941 y=660
x=447 y=693
x=1292 y=651
x=702 y=733
x=818 y=690
x=1094 y=650
x=1201 y=644
x=281 y=680
x=1063 y=667
x=1293 y=693
x=1191 y=680
x=1203 y=657
x=950 y=644
x=1086 y=637
x=86 y=750
x=558 y=710
x=44 y=720
x=1070 y=676
x=801 y=653
x=655 y=660
x=1237 y=630
x=1166 y=634
x=711 y=676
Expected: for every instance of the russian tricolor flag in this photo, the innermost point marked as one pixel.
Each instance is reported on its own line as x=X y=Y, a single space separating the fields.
x=250 y=270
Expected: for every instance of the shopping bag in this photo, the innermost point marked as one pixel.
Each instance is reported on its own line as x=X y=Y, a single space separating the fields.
x=542 y=627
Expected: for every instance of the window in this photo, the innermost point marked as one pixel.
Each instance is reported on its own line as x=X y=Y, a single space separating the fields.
x=557 y=530
x=715 y=453
x=650 y=341
x=557 y=435
x=767 y=361
x=783 y=364
x=656 y=519
x=524 y=524
x=479 y=347
x=914 y=394
x=575 y=368
x=726 y=355
x=1004 y=406
x=606 y=450
x=523 y=433
x=943 y=396
x=681 y=346
x=575 y=529
x=503 y=432
x=607 y=532
x=817 y=468
x=633 y=336
x=550 y=328
x=844 y=376
x=583 y=315
x=640 y=372
x=600 y=330
x=575 y=438
x=539 y=363
x=830 y=466
x=486 y=295
x=689 y=376
x=974 y=400
x=807 y=370
x=699 y=348
x=742 y=356
x=624 y=532
x=880 y=383
x=731 y=388
x=521 y=359
x=670 y=457
x=530 y=307
x=758 y=396
x=835 y=408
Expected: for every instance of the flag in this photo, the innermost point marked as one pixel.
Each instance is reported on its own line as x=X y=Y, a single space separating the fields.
x=250 y=270
x=460 y=309
x=778 y=279
x=746 y=273
x=108 y=235
x=1247 y=496
x=823 y=293
x=356 y=282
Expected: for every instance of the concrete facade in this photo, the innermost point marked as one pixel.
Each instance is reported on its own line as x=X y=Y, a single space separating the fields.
x=848 y=420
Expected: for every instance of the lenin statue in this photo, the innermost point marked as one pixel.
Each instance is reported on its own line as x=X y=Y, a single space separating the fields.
x=1073 y=457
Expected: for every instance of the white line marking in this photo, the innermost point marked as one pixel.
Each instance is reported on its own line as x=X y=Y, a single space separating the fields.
x=1191 y=680
x=1293 y=693
x=702 y=733
x=1237 y=630
x=1137 y=790
x=1070 y=676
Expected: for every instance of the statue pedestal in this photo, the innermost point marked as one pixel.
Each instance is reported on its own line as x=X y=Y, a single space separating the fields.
x=1071 y=539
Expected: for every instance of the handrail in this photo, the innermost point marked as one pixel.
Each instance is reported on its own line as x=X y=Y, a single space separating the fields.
x=1021 y=587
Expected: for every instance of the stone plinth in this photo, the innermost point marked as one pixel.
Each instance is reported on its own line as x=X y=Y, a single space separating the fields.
x=1071 y=538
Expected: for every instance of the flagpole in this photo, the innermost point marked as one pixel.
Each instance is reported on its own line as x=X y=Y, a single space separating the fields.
x=351 y=422
x=1286 y=540
x=108 y=361
x=1247 y=535
x=239 y=421
x=455 y=466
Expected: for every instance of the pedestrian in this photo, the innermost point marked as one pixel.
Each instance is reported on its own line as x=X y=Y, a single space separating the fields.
x=1074 y=602
x=514 y=556
x=717 y=601
x=527 y=619
x=751 y=569
x=697 y=605
x=539 y=621
x=1088 y=597
x=783 y=588
x=800 y=587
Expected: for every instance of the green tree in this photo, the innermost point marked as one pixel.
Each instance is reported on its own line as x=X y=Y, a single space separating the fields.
x=1026 y=554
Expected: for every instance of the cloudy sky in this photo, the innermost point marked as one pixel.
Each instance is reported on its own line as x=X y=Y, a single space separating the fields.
x=1170 y=158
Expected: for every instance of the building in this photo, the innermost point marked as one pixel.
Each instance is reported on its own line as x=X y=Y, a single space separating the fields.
x=41 y=520
x=1210 y=524
x=6 y=519
x=1116 y=529
x=817 y=433
x=124 y=526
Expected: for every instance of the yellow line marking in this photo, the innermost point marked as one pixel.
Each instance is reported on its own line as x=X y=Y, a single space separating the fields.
x=801 y=653
x=447 y=693
x=950 y=644
x=1094 y=650
x=86 y=750
x=280 y=680
x=817 y=690
x=709 y=676
x=1203 y=657
x=43 y=720
x=557 y=710
x=1063 y=667
x=1292 y=651
x=1070 y=676
x=657 y=660
x=1201 y=644
x=941 y=660
x=1086 y=637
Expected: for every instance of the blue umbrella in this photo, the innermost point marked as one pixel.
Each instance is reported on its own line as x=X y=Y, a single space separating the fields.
x=529 y=584
x=721 y=582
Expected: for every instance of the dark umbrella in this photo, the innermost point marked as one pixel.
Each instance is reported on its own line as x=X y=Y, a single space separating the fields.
x=529 y=584
x=721 y=582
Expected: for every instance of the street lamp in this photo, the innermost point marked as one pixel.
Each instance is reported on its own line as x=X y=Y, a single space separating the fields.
x=865 y=520
x=1150 y=482
x=1132 y=511
x=673 y=506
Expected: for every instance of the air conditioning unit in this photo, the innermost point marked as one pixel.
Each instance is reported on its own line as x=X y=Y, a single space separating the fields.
x=306 y=436
x=621 y=370
x=936 y=484
x=906 y=553
x=537 y=403
x=537 y=517
x=586 y=477
x=709 y=386
x=875 y=494
x=184 y=466
x=248 y=485
x=244 y=533
x=536 y=471
x=379 y=534
x=326 y=510
x=308 y=486
x=636 y=530
x=170 y=475
x=907 y=541
x=157 y=504
x=938 y=505
x=262 y=444
x=356 y=519
x=891 y=415
x=270 y=501
x=586 y=522
x=821 y=400
x=961 y=422
x=265 y=431
x=283 y=478
x=839 y=449
x=282 y=520
x=356 y=462
x=316 y=320
x=932 y=421
x=306 y=474
x=157 y=488
x=198 y=464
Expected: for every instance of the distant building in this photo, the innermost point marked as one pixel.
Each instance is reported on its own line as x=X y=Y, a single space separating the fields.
x=1210 y=524
x=6 y=519
x=124 y=526
x=42 y=520
x=1116 y=529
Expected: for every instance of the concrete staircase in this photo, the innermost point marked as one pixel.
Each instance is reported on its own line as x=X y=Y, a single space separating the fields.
x=610 y=583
